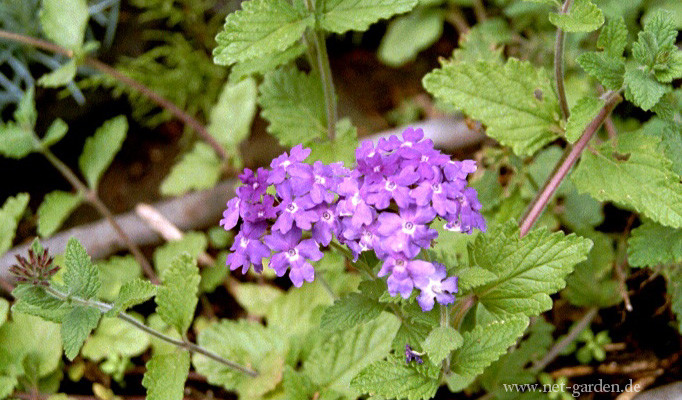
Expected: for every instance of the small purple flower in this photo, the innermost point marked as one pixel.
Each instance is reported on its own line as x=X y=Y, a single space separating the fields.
x=327 y=225
x=294 y=210
x=411 y=355
x=256 y=212
x=468 y=215
x=231 y=214
x=253 y=185
x=281 y=164
x=458 y=170
x=248 y=249
x=293 y=255
x=393 y=187
x=405 y=275
x=407 y=232
x=437 y=288
x=353 y=204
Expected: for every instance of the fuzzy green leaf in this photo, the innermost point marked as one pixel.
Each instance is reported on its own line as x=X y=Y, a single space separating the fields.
x=442 y=341
x=296 y=312
x=231 y=117
x=424 y=26
x=482 y=346
x=342 y=148
x=26 y=340
x=635 y=174
x=266 y=63
x=607 y=71
x=55 y=209
x=10 y=215
x=643 y=89
x=55 y=132
x=515 y=101
x=673 y=276
x=193 y=243
x=64 y=21
x=394 y=379
x=349 y=311
x=34 y=300
x=133 y=293
x=293 y=103
x=583 y=16
x=333 y=363
x=76 y=326
x=15 y=141
x=260 y=28
x=613 y=38
x=340 y=16
x=100 y=149
x=114 y=273
x=528 y=269
x=652 y=244
x=4 y=310
x=81 y=276
x=177 y=297
x=198 y=169
x=296 y=385
x=60 y=76
x=582 y=113
x=256 y=299
x=115 y=338
x=166 y=375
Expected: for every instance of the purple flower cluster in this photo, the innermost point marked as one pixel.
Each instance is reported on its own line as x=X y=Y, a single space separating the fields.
x=386 y=204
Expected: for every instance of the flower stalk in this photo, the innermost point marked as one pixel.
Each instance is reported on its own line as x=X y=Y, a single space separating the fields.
x=559 y=63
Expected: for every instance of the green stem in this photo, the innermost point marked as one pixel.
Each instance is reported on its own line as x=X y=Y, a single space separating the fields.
x=445 y=322
x=462 y=307
x=105 y=307
x=559 y=64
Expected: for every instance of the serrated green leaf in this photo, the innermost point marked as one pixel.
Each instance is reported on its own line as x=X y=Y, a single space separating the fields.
x=133 y=293
x=34 y=300
x=26 y=114
x=260 y=28
x=293 y=102
x=340 y=16
x=342 y=148
x=394 y=379
x=336 y=361
x=583 y=16
x=115 y=338
x=484 y=42
x=503 y=97
x=55 y=132
x=100 y=149
x=114 y=273
x=296 y=385
x=177 y=298
x=213 y=276
x=64 y=21
x=81 y=276
x=672 y=142
x=198 y=169
x=668 y=66
x=652 y=244
x=673 y=276
x=60 y=76
x=264 y=64
x=295 y=313
x=349 y=311
x=591 y=284
x=607 y=71
x=231 y=117
x=662 y=26
x=256 y=299
x=76 y=326
x=582 y=113
x=633 y=173
x=424 y=26
x=643 y=89
x=4 y=310
x=55 y=208
x=528 y=269
x=7 y=385
x=613 y=38
x=29 y=341
x=441 y=342
x=581 y=212
x=192 y=243
x=15 y=141
x=482 y=346
x=10 y=215
x=166 y=375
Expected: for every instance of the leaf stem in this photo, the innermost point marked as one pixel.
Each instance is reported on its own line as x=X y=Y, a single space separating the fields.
x=559 y=63
x=570 y=156
x=105 y=307
x=445 y=322
x=6 y=285
x=132 y=83
x=462 y=307
x=91 y=197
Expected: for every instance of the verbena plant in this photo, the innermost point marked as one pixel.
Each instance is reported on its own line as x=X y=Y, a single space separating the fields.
x=406 y=278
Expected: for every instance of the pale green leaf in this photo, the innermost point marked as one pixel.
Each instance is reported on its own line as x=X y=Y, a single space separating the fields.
x=394 y=379
x=193 y=243
x=340 y=16
x=100 y=149
x=673 y=277
x=61 y=76
x=528 y=269
x=64 y=21
x=633 y=173
x=81 y=276
x=55 y=132
x=482 y=346
x=4 y=310
x=177 y=298
x=26 y=114
x=342 y=148
x=198 y=169
x=133 y=293
x=670 y=67
x=582 y=113
x=643 y=89
x=166 y=375
x=7 y=385
x=266 y=63
x=652 y=244
x=662 y=25
x=296 y=385
x=613 y=38
x=55 y=208
x=295 y=312
x=583 y=16
x=333 y=363
x=607 y=71
x=580 y=212
x=256 y=299
x=27 y=339
x=34 y=300
x=115 y=338
x=10 y=215
x=213 y=276
x=515 y=101
x=423 y=26
x=441 y=342
x=349 y=311
x=260 y=28
x=114 y=273
x=484 y=42
x=16 y=141
x=76 y=326
x=231 y=117
x=293 y=102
